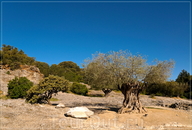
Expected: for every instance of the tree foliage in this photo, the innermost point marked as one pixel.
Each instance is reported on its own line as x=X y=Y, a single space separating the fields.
x=18 y=87
x=185 y=81
x=70 y=65
x=67 y=69
x=78 y=88
x=159 y=72
x=13 y=57
x=183 y=77
x=169 y=88
x=43 y=67
x=180 y=88
x=115 y=68
x=43 y=92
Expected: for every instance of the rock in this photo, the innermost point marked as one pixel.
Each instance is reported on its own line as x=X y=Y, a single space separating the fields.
x=88 y=86
x=181 y=105
x=145 y=115
x=30 y=72
x=60 y=105
x=79 y=112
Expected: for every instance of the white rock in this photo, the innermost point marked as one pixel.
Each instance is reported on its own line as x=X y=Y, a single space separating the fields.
x=79 y=112
x=41 y=105
x=167 y=124
x=60 y=105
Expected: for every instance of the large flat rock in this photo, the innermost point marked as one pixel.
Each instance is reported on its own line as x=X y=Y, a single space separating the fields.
x=79 y=112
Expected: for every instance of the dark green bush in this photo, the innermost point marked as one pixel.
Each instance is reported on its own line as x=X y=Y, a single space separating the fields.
x=188 y=95
x=159 y=94
x=18 y=87
x=169 y=88
x=78 y=88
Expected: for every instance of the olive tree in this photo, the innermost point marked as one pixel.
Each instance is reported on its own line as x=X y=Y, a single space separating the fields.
x=129 y=73
x=42 y=93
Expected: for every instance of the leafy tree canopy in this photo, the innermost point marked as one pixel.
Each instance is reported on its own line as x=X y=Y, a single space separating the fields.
x=115 y=68
x=68 y=69
x=43 y=67
x=183 y=77
x=70 y=65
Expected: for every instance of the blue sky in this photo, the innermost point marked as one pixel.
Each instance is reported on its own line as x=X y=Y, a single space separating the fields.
x=53 y=32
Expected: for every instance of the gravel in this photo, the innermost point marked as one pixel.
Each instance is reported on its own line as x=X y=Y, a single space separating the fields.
x=17 y=114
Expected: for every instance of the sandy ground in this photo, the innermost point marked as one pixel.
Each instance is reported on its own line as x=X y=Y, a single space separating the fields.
x=17 y=115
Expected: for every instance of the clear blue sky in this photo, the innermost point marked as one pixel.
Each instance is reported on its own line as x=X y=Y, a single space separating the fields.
x=53 y=32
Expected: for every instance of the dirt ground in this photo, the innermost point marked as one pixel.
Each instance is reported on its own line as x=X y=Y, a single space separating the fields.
x=17 y=115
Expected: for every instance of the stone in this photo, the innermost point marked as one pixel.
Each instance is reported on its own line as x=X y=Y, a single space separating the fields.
x=60 y=105
x=181 y=105
x=30 y=72
x=79 y=112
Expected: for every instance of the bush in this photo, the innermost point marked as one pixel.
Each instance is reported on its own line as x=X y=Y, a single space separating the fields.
x=152 y=96
x=54 y=99
x=79 y=89
x=8 y=72
x=159 y=94
x=169 y=88
x=18 y=87
x=42 y=93
x=188 y=95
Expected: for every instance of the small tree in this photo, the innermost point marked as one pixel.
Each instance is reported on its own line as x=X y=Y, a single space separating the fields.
x=183 y=77
x=18 y=87
x=43 y=92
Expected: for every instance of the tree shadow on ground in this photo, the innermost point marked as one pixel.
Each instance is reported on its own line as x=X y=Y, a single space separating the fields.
x=95 y=95
x=54 y=104
x=103 y=110
x=97 y=108
x=115 y=109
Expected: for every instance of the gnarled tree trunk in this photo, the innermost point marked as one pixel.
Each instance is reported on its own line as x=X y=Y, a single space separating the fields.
x=131 y=101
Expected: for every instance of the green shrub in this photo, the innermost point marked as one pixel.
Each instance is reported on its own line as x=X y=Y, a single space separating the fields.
x=159 y=94
x=152 y=96
x=188 y=95
x=8 y=72
x=18 y=87
x=54 y=99
x=79 y=89
x=42 y=93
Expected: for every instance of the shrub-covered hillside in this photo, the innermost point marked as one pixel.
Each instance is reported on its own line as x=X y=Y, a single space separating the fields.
x=13 y=58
